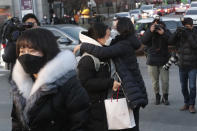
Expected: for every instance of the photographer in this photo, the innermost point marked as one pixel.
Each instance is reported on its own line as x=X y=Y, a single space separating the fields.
x=185 y=40
x=13 y=29
x=156 y=41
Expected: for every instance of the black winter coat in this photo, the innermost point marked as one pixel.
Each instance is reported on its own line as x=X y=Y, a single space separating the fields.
x=122 y=52
x=157 y=47
x=187 y=48
x=97 y=84
x=54 y=102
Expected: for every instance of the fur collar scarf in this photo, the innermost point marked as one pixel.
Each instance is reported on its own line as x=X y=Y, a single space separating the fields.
x=56 y=68
x=84 y=38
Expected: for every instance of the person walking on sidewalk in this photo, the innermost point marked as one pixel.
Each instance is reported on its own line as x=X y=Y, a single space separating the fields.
x=156 y=40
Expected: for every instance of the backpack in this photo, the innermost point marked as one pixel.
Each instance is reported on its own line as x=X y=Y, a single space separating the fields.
x=97 y=62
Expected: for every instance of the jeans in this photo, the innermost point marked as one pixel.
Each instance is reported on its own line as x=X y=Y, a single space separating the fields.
x=185 y=75
x=155 y=72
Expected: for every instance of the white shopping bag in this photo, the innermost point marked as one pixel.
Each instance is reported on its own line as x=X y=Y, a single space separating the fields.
x=119 y=116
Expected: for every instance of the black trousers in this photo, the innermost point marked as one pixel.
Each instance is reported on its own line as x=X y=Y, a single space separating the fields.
x=136 y=116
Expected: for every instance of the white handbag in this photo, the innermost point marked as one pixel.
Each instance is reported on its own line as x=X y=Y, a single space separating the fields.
x=119 y=116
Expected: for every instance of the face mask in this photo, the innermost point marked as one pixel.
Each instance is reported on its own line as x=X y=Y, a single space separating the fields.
x=30 y=63
x=108 y=42
x=114 y=33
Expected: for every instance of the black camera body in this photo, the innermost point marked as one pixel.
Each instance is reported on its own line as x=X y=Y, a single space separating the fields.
x=12 y=29
x=157 y=27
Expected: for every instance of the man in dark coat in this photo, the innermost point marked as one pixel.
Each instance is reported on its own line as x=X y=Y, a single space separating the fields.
x=156 y=40
x=185 y=39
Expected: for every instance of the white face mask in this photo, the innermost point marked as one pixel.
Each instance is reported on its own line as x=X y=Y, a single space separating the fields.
x=108 y=41
x=114 y=33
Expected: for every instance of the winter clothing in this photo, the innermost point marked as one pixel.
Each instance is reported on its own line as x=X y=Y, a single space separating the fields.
x=122 y=52
x=186 y=46
x=187 y=61
x=97 y=84
x=154 y=72
x=185 y=76
x=157 y=47
x=55 y=101
x=157 y=56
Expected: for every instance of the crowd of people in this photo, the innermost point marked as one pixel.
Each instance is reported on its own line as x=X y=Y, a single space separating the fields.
x=53 y=91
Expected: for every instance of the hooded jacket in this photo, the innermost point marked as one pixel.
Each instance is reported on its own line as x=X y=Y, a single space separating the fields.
x=186 y=47
x=55 y=101
x=97 y=84
x=156 y=47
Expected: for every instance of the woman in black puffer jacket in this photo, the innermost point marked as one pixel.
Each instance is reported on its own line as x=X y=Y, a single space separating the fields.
x=47 y=96
x=122 y=52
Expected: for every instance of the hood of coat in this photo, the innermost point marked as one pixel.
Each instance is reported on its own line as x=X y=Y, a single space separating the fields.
x=86 y=39
x=63 y=63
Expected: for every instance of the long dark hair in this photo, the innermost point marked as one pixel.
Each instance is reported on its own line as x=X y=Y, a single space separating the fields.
x=125 y=26
x=39 y=39
x=97 y=30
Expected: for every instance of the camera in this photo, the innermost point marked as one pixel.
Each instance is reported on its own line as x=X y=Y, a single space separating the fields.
x=157 y=27
x=13 y=28
x=173 y=60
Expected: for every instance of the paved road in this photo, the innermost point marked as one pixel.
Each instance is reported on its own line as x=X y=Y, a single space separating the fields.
x=152 y=118
x=5 y=101
x=166 y=118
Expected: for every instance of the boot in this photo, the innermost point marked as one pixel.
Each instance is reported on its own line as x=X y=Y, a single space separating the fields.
x=165 y=99
x=184 y=108
x=192 y=109
x=158 y=97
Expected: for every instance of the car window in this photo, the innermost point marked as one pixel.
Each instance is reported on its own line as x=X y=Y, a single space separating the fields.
x=141 y=26
x=73 y=31
x=56 y=33
x=146 y=7
x=191 y=12
x=194 y=5
x=172 y=24
x=134 y=12
x=122 y=15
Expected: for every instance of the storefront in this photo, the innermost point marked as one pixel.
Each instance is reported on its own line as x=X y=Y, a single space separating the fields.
x=5 y=13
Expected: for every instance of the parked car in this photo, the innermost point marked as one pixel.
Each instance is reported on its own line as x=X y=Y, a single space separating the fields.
x=192 y=13
x=144 y=24
x=160 y=10
x=150 y=9
x=193 y=4
x=137 y=14
x=181 y=8
x=68 y=34
x=123 y=14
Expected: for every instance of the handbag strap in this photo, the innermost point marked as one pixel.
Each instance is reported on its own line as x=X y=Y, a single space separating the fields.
x=116 y=96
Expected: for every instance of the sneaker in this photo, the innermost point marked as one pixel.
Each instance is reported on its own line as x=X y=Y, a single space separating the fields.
x=184 y=108
x=192 y=109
